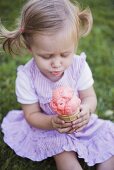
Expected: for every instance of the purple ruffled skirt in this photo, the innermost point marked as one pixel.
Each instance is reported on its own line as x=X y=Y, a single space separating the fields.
x=94 y=144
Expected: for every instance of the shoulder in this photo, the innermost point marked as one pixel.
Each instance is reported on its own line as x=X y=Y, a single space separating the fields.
x=24 y=86
x=29 y=70
x=26 y=68
x=78 y=64
x=82 y=72
x=78 y=59
x=25 y=74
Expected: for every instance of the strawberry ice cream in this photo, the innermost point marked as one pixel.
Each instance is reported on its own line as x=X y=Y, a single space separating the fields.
x=65 y=103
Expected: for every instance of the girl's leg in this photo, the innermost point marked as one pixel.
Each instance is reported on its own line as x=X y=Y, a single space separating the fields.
x=107 y=165
x=67 y=161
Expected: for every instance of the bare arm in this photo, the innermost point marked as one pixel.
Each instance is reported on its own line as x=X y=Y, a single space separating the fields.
x=88 y=106
x=36 y=118
x=88 y=97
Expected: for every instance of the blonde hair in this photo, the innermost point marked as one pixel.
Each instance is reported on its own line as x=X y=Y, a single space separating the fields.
x=45 y=16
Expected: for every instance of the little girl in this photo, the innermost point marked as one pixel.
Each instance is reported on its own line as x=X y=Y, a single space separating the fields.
x=51 y=29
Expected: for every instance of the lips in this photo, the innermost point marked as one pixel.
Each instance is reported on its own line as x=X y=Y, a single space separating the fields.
x=56 y=73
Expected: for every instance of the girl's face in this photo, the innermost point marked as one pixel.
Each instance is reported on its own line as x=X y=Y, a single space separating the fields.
x=53 y=54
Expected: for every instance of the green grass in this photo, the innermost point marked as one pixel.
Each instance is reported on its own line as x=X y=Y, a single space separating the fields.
x=100 y=56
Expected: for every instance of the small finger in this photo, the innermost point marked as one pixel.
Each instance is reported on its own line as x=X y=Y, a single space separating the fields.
x=64 y=130
x=80 y=124
x=59 y=121
x=81 y=128
x=81 y=114
x=81 y=119
x=72 y=130
x=65 y=125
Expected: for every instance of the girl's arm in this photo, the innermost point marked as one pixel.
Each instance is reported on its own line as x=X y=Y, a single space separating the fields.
x=88 y=98
x=35 y=117
x=88 y=106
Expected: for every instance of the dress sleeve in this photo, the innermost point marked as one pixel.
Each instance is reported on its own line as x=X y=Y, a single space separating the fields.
x=85 y=80
x=25 y=91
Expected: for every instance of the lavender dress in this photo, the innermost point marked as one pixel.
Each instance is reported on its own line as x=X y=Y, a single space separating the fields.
x=95 y=143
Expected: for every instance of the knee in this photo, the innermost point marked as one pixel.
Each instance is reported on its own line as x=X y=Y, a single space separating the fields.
x=74 y=166
x=68 y=166
x=67 y=160
x=108 y=164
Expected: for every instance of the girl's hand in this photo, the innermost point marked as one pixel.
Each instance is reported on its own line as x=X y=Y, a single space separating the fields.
x=60 y=125
x=82 y=120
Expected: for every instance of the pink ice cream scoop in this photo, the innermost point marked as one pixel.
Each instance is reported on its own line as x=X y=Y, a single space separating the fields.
x=65 y=103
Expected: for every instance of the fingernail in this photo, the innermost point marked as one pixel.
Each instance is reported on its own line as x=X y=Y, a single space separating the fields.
x=73 y=123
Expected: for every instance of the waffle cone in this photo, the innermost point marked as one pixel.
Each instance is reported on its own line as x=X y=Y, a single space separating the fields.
x=69 y=118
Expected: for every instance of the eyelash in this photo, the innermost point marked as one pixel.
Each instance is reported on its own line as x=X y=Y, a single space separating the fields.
x=46 y=57
x=65 y=55
x=49 y=57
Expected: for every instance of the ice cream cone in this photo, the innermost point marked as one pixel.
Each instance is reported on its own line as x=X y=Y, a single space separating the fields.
x=69 y=118
x=65 y=103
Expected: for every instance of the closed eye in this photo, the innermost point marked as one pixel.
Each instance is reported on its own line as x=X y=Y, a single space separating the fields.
x=65 y=54
x=46 y=57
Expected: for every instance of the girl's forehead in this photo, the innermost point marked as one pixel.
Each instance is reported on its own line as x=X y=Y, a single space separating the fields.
x=60 y=41
x=52 y=43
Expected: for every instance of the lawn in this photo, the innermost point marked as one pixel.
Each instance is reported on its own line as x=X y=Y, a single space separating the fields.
x=100 y=56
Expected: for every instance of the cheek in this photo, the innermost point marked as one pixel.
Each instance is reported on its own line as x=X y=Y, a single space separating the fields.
x=42 y=63
x=39 y=62
x=68 y=61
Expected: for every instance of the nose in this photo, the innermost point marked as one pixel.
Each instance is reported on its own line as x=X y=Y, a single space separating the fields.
x=56 y=62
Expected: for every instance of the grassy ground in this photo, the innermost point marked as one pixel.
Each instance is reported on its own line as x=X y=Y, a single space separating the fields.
x=99 y=49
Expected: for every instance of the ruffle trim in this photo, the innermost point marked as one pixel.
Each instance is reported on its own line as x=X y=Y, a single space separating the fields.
x=27 y=142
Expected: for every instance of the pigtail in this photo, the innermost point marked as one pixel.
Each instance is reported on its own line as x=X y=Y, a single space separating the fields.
x=86 y=21
x=11 y=41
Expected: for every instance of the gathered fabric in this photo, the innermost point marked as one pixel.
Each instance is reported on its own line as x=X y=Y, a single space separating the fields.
x=94 y=144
